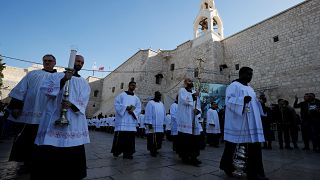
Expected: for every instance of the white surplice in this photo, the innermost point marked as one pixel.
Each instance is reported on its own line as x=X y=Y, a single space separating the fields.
x=123 y=120
x=242 y=126
x=185 y=112
x=198 y=124
x=141 y=121
x=112 y=121
x=28 y=91
x=155 y=115
x=174 y=124
x=212 y=119
x=108 y=121
x=168 y=122
x=76 y=133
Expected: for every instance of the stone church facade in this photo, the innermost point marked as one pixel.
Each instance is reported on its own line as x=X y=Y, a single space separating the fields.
x=13 y=75
x=283 y=50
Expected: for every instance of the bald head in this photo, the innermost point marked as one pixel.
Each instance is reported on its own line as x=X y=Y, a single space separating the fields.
x=79 y=62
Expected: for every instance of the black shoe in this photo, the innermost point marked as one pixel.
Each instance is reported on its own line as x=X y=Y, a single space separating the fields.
x=257 y=177
x=185 y=160
x=153 y=154
x=306 y=148
x=288 y=147
x=229 y=173
x=128 y=157
x=24 y=169
x=115 y=155
x=195 y=162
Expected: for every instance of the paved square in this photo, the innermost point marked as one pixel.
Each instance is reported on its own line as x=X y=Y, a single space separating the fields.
x=278 y=164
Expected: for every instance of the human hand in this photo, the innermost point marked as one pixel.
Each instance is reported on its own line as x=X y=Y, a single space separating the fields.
x=130 y=108
x=68 y=75
x=15 y=113
x=247 y=99
x=66 y=104
x=196 y=93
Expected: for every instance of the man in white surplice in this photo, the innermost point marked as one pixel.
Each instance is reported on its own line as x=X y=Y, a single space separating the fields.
x=213 y=126
x=60 y=150
x=142 y=126
x=189 y=130
x=154 y=120
x=26 y=108
x=174 y=124
x=167 y=125
x=243 y=125
x=128 y=107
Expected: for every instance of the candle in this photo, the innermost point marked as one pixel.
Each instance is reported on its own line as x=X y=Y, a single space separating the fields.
x=72 y=58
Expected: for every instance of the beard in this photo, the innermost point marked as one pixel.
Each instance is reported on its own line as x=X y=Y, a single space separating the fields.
x=190 y=85
x=77 y=67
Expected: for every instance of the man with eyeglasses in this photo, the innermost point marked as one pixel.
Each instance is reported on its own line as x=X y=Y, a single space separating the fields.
x=26 y=110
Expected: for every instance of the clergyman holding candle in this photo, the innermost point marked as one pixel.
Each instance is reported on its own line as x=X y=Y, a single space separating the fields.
x=60 y=151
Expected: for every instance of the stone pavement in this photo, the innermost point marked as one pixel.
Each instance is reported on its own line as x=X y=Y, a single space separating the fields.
x=279 y=164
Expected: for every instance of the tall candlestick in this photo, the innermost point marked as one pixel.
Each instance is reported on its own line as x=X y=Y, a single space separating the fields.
x=72 y=59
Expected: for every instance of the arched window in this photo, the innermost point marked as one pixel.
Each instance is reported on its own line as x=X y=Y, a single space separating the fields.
x=158 y=78
x=172 y=67
x=95 y=93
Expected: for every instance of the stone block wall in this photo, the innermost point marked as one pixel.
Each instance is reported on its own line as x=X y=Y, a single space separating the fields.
x=13 y=75
x=96 y=85
x=132 y=68
x=283 y=68
x=283 y=51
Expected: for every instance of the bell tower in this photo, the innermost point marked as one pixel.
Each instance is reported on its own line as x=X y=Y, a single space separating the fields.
x=208 y=22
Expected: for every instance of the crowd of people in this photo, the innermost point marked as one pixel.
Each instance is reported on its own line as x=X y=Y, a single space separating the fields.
x=51 y=150
x=47 y=149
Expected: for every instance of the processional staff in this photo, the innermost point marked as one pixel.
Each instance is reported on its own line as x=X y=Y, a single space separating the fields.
x=62 y=121
x=197 y=88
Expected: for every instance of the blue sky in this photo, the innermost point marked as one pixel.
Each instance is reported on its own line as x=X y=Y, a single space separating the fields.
x=109 y=32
